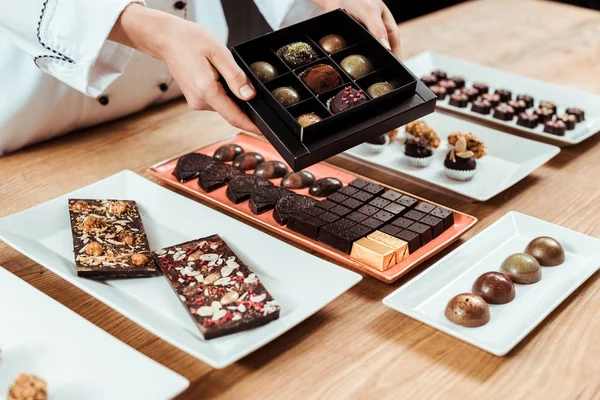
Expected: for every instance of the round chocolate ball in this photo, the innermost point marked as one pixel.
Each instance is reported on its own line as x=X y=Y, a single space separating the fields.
x=286 y=96
x=264 y=71
x=297 y=180
x=546 y=250
x=308 y=119
x=321 y=78
x=495 y=288
x=357 y=66
x=522 y=268
x=228 y=152
x=379 y=89
x=297 y=54
x=333 y=43
x=468 y=310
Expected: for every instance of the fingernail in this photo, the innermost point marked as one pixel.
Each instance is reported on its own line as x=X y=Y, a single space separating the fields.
x=386 y=44
x=247 y=91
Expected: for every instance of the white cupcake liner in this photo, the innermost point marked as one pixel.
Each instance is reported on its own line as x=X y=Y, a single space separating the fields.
x=460 y=175
x=375 y=148
x=420 y=161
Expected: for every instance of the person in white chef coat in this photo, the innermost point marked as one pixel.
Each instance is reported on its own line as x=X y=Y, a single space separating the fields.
x=69 y=64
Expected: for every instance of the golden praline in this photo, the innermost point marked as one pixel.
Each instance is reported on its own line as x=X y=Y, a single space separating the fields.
x=546 y=250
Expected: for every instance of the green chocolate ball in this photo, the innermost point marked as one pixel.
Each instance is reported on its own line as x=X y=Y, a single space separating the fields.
x=357 y=66
x=286 y=96
x=522 y=268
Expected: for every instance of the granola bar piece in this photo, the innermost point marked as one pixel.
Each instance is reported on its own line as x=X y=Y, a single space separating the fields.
x=28 y=387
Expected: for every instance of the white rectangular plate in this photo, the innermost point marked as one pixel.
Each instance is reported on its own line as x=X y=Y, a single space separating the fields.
x=77 y=359
x=425 y=297
x=562 y=96
x=302 y=283
x=509 y=159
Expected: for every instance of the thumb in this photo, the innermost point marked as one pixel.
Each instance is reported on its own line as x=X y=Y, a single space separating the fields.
x=237 y=81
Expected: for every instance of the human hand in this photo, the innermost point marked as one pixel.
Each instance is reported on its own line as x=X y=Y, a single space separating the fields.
x=375 y=15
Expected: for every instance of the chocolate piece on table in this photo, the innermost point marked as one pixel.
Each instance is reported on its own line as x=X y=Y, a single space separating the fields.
x=337 y=197
x=438 y=73
x=399 y=245
x=391 y=195
x=577 y=112
x=505 y=95
x=548 y=104
x=407 y=201
x=425 y=207
x=440 y=92
x=340 y=210
x=325 y=204
x=481 y=106
x=403 y=222
x=340 y=236
x=287 y=96
x=384 y=216
x=362 y=196
x=446 y=215
x=217 y=175
x=373 y=253
x=517 y=105
x=504 y=112
x=394 y=208
x=357 y=66
x=264 y=198
x=297 y=180
x=324 y=187
x=352 y=203
x=221 y=293
x=359 y=183
x=333 y=43
x=271 y=170
x=436 y=224
x=493 y=98
x=527 y=99
x=379 y=89
x=348 y=190
x=390 y=229
x=459 y=80
x=329 y=216
x=288 y=205
x=556 y=127
x=481 y=87
x=240 y=187
x=368 y=209
x=459 y=100
x=471 y=93
x=570 y=121
x=544 y=114
x=248 y=161
x=373 y=223
x=374 y=189
x=450 y=86
x=314 y=211
x=308 y=119
x=321 y=78
x=413 y=239
x=379 y=202
x=189 y=166
x=346 y=99
x=429 y=80
x=297 y=54
x=263 y=71
x=228 y=152
x=423 y=230
x=528 y=120
x=414 y=215
x=305 y=224
x=357 y=216
x=109 y=240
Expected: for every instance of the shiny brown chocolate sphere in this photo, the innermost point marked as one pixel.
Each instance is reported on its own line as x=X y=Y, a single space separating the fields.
x=495 y=288
x=308 y=119
x=546 y=250
x=297 y=180
x=264 y=71
x=357 y=66
x=379 y=89
x=522 y=268
x=286 y=96
x=271 y=170
x=333 y=43
x=468 y=310
x=228 y=152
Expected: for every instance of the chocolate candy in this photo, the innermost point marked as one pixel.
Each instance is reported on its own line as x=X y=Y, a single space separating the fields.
x=504 y=112
x=378 y=89
x=436 y=224
x=471 y=93
x=341 y=234
x=544 y=114
x=297 y=180
x=481 y=106
x=423 y=230
x=468 y=310
x=459 y=100
x=240 y=187
x=403 y=223
x=481 y=87
x=438 y=73
x=495 y=288
x=518 y=105
x=321 y=78
x=556 y=127
x=439 y=91
x=570 y=121
x=413 y=239
x=287 y=96
x=424 y=207
x=297 y=54
x=263 y=71
x=446 y=215
x=264 y=198
x=288 y=205
x=505 y=95
x=546 y=250
x=548 y=104
x=522 y=268
x=305 y=224
x=414 y=215
x=528 y=120
x=458 y=80
x=407 y=201
x=429 y=80
x=527 y=99
x=494 y=99
x=345 y=99
x=450 y=86
x=228 y=152
x=324 y=187
x=189 y=166
x=271 y=170
x=248 y=161
x=373 y=253
x=308 y=119
x=357 y=66
x=577 y=112
x=333 y=43
x=217 y=175
x=391 y=195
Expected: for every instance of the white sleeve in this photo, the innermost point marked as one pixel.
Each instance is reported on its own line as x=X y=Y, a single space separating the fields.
x=281 y=13
x=68 y=39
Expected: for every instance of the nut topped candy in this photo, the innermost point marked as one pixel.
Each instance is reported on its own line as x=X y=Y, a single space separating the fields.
x=263 y=71
x=333 y=43
x=287 y=96
x=495 y=288
x=493 y=98
x=460 y=162
x=357 y=66
x=546 y=250
x=570 y=120
x=459 y=80
x=439 y=91
x=518 y=105
x=548 y=104
x=468 y=310
x=297 y=54
x=505 y=95
x=459 y=100
x=420 y=128
x=522 y=268
x=438 y=73
x=544 y=114
x=577 y=112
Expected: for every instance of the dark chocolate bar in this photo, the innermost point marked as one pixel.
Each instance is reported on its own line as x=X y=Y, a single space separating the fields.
x=220 y=292
x=109 y=239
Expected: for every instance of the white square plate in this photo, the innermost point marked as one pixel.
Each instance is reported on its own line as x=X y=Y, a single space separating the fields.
x=425 y=297
x=562 y=96
x=301 y=283
x=509 y=159
x=77 y=359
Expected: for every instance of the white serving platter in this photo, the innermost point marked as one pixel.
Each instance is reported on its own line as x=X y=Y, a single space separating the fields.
x=562 y=96
x=510 y=158
x=425 y=297
x=300 y=282
x=77 y=359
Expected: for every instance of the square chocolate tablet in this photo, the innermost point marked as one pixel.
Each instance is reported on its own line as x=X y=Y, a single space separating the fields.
x=360 y=230
x=383 y=215
x=403 y=222
x=413 y=239
x=357 y=216
x=391 y=195
x=414 y=215
x=368 y=210
x=348 y=190
x=379 y=202
x=333 y=239
x=340 y=210
x=423 y=230
x=309 y=227
x=352 y=203
x=394 y=208
x=337 y=197
x=444 y=214
x=436 y=224
x=425 y=207
x=390 y=229
x=407 y=201
x=373 y=223
x=345 y=223
x=362 y=196
x=329 y=216
x=374 y=189
x=325 y=204
x=335 y=228
x=359 y=183
x=314 y=211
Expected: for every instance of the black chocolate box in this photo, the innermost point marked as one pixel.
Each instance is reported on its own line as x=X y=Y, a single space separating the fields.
x=302 y=147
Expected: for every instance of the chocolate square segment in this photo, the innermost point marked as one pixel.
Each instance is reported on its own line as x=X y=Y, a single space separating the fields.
x=423 y=230
x=337 y=197
x=314 y=211
x=403 y=222
x=368 y=210
x=383 y=216
x=372 y=223
x=325 y=204
x=362 y=196
x=414 y=215
x=391 y=195
x=379 y=202
x=359 y=183
x=357 y=216
x=407 y=201
x=360 y=230
x=394 y=208
x=309 y=227
x=444 y=214
x=329 y=217
x=374 y=189
x=340 y=210
x=436 y=224
x=390 y=229
x=413 y=239
x=425 y=207
x=345 y=223
x=348 y=190
x=352 y=203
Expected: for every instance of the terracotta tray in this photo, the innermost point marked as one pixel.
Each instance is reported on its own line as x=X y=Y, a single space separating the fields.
x=163 y=171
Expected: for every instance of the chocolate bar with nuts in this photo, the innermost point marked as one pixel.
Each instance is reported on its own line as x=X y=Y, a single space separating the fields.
x=109 y=239
x=220 y=292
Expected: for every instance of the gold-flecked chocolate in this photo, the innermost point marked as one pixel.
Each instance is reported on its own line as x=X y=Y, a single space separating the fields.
x=373 y=253
x=399 y=245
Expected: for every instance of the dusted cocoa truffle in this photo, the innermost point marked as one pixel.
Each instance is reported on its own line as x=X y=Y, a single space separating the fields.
x=321 y=78
x=346 y=99
x=528 y=120
x=264 y=71
x=297 y=54
x=308 y=119
x=333 y=43
x=357 y=66
x=286 y=96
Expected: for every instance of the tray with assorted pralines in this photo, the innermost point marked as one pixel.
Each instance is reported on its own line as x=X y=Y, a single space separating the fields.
x=361 y=223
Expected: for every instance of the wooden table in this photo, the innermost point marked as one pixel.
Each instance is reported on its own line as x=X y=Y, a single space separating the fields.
x=356 y=347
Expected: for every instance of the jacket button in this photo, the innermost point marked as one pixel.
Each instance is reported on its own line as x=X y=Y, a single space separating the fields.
x=163 y=87
x=103 y=100
x=180 y=5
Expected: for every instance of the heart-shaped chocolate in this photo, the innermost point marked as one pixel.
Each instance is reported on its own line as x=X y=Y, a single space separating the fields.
x=214 y=176
x=241 y=186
